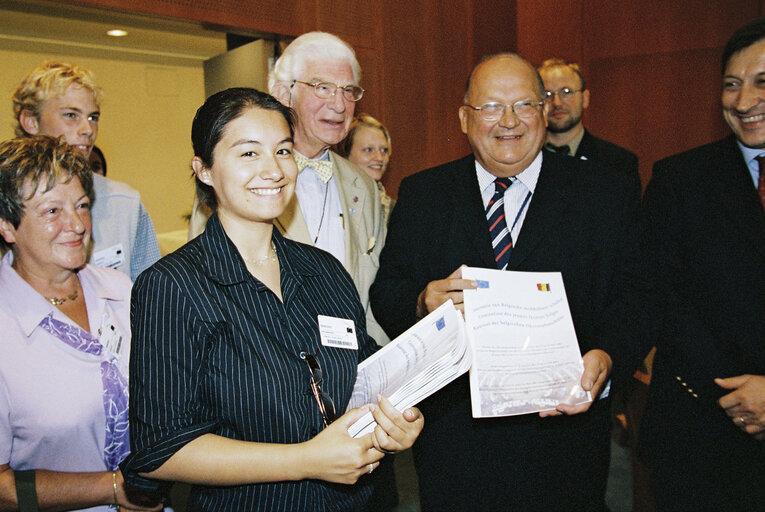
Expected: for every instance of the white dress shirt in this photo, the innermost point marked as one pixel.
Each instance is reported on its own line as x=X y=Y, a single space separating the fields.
x=322 y=210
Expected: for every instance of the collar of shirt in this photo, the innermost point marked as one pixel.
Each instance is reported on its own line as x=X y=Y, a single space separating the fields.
x=226 y=266
x=322 y=209
x=529 y=177
x=750 y=154
x=573 y=144
x=27 y=305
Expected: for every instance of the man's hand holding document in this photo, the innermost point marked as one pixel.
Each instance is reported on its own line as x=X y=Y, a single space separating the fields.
x=525 y=353
x=425 y=358
x=517 y=334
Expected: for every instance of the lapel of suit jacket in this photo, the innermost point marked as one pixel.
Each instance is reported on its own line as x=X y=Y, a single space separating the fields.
x=545 y=210
x=465 y=197
x=735 y=191
x=353 y=197
x=584 y=149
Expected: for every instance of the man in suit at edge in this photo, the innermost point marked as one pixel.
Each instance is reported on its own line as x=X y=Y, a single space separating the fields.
x=704 y=428
x=580 y=220
x=569 y=97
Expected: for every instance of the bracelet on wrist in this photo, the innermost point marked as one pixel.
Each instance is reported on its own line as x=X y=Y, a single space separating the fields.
x=114 y=486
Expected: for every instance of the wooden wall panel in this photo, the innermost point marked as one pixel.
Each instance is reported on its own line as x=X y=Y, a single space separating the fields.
x=264 y=16
x=657 y=105
x=549 y=28
x=405 y=64
x=494 y=28
x=352 y=20
x=450 y=53
x=370 y=81
x=652 y=27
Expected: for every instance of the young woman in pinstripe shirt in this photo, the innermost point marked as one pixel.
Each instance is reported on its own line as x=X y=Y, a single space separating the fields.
x=231 y=377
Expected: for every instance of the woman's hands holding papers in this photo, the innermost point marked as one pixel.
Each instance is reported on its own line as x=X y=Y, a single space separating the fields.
x=334 y=456
x=395 y=431
x=597 y=368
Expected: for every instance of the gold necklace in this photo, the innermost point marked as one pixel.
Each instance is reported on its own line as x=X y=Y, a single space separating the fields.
x=57 y=302
x=266 y=259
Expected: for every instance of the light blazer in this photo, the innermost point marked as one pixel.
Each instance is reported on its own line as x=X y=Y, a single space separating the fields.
x=581 y=222
x=365 y=230
x=707 y=227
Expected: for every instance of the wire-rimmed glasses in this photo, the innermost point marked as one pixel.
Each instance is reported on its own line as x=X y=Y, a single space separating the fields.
x=564 y=94
x=326 y=90
x=493 y=111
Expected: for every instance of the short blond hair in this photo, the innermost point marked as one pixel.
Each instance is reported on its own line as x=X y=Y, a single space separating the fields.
x=46 y=81
x=361 y=120
x=560 y=63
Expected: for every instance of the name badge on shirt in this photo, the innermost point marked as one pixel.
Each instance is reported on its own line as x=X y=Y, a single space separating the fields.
x=111 y=257
x=114 y=341
x=338 y=332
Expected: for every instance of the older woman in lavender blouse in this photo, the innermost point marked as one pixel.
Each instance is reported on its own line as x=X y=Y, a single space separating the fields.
x=65 y=341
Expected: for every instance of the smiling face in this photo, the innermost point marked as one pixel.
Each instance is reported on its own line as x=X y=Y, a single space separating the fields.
x=73 y=115
x=507 y=146
x=253 y=171
x=54 y=230
x=743 y=95
x=564 y=115
x=370 y=151
x=321 y=123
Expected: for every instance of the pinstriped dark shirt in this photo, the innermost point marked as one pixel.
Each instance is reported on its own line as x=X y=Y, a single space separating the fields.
x=214 y=350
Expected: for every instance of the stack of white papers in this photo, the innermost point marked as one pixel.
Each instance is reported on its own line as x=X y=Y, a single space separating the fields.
x=424 y=359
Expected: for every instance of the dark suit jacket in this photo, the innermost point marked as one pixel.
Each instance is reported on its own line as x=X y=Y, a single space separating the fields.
x=607 y=154
x=707 y=227
x=579 y=223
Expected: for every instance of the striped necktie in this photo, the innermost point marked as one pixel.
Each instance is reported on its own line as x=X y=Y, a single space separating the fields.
x=761 y=180
x=501 y=240
x=323 y=168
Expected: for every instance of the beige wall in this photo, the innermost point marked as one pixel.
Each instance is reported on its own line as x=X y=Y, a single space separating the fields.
x=145 y=125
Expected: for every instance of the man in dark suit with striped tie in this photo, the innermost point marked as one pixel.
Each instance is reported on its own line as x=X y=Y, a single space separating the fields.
x=511 y=206
x=704 y=427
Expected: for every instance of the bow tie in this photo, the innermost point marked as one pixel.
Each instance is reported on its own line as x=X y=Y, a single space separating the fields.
x=323 y=168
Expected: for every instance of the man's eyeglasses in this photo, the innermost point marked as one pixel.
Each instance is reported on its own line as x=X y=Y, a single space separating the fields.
x=494 y=110
x=326 y=90
x=564 y=94
x=326 y=405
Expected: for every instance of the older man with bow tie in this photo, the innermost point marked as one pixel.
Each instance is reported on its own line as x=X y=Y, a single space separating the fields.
x=336 y=205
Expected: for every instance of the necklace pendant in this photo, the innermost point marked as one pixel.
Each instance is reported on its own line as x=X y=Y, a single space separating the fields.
x=58 y=301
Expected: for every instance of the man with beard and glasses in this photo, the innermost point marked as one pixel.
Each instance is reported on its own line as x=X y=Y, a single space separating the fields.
x=568 y=96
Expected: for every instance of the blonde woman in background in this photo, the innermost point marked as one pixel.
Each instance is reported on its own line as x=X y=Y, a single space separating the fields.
x=368 y=146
